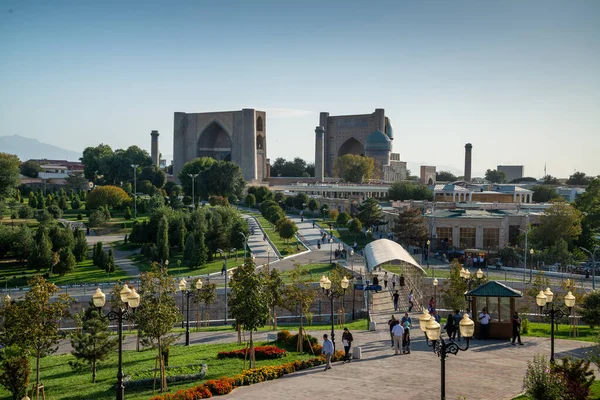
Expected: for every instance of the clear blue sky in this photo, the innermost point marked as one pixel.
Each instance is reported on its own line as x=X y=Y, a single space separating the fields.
x=518 y=79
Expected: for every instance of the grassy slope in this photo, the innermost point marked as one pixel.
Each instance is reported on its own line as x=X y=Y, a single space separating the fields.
x=539 y=329
x=62 y=383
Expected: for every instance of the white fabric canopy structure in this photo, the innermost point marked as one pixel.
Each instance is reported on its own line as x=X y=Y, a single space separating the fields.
x=384 y=250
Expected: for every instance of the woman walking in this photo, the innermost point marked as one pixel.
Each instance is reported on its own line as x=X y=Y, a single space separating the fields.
x=347 y=341
x=450 y=327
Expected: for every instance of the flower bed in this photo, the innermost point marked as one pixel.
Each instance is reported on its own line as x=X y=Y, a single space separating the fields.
x=260 y=352
x=292 y=340
x=226 y=385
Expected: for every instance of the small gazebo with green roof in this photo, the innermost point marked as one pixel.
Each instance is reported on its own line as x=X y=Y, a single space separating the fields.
x=499 y=299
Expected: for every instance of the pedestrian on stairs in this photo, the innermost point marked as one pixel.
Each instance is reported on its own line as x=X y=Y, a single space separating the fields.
x=385 y=280
x=395 y=297
x=411 y=299
x=394 y=281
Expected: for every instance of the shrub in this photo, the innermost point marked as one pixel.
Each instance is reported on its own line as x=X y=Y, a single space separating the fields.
x=219 y=387
x=79 y=217
x=540 y=383
x=55 y=211
x=589 y=308
x=525 y=326
x=577 y=378
x=260 y=352
x=26 y=212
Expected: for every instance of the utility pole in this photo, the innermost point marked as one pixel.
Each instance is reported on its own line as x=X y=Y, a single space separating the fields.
x=134 y=166
x=193 y=176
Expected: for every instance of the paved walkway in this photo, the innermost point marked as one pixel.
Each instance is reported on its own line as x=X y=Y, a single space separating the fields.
x=488 y=370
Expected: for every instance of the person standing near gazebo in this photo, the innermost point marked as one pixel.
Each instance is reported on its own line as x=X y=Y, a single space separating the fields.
x=516 y=329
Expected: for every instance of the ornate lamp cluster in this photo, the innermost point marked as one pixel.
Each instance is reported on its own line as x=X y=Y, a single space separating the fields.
x=332 y=294
x=130 y=299
x=442 y=347
x=544 y=298
x=183 y=288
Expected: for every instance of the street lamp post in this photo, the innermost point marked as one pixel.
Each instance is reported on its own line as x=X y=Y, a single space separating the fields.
x=224 y=271
x=183 y=287
x=435 y=285
x=531 y=252
x=427 y=257
x=466 y=275
x=332 y=294
x=544 y=298
x=134 y=166
x=131 y=300
x=443 y=347
x=593 y=263
x=330 y=249
x=193 y=176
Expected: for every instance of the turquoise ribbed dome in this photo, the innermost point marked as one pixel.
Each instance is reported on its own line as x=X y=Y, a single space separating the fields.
x=378 y=141
x=389 y=130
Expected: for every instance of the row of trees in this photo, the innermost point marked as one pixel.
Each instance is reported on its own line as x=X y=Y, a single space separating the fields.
x=198 y=234
x=272 y=212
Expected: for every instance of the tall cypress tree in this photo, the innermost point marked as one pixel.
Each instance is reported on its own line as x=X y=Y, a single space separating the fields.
x=41 y=256
x=109 y=263
x=80 y=250
x=162 y=239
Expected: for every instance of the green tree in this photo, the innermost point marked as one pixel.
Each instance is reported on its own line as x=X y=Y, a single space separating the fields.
x=31 y=169
x=109 y=261
x=41 y=201
x=445 y=176
x=41 y=254
x=16 y=371
x=23 y=243
x=158 y=312
x=287 y=229
x=300 y=201
x=195 y=252
x=66 y=263
x=155 y=175
x=495 y=176
x=248 y=301
x=62 y=203
x=297 y=167
x=222 y=178
x=355 y=226
x=589 y=206
x=44 y=305
x=275 y=289
x=91 y=159
x=579 y=178
x=313 y=205
x=196 y=166
x=560 y=221
x=299 y=294
x=409 y=191
x=354 y=168
x=32 y=200
x=549 y=180
x=80 y=249
x=250 y=200
x=93 y=343
x=207 y=295
x=76 y=203
x=9 y=174
x=544 y=193
x=162 y=239
x=97 y=254
x=112 y=196
x=411 y=227
x=342 y=219
x=454 y=288
x=370 y=213
x=590 y=304
x=76 y=181
x=96 y=219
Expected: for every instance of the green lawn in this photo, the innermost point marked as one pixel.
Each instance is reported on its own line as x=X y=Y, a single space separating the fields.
x=284 y=249
x=61 y=382
x=176 y=269
x=594 y=394
x=541 y=329
x=13 y=274
x=315 y=271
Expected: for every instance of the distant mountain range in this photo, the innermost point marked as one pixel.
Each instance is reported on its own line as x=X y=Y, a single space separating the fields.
x=26 y=148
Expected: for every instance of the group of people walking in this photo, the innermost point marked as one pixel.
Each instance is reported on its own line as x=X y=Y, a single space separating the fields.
x=328 y=348
x=400 y=334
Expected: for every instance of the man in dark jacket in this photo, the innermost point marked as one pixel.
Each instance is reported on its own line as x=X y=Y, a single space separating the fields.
x=516 y=329
x=347 y=341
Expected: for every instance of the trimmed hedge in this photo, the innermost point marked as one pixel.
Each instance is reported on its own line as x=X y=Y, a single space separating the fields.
x=226 y=385
x=195 y=372
x=292 y=341
x=260 y=352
